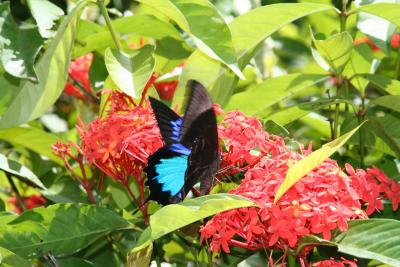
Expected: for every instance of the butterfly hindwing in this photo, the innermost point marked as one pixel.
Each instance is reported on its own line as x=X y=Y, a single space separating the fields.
x=166 y=175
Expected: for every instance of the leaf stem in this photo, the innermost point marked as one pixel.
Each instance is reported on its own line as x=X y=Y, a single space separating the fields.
x=360 y=119
x=109 y=24
x=16 y=192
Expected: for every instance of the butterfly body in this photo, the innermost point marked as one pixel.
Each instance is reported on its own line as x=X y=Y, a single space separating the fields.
x=190 y=153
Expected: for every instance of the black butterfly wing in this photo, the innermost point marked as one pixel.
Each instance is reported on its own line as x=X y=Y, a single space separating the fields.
x=168 y=122
x=199 y=102
x=199 y=132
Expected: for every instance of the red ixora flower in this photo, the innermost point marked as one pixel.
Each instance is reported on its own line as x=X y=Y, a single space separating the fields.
x=31 y=202
x=323 y=200
x=79 y=73
x=120 y=143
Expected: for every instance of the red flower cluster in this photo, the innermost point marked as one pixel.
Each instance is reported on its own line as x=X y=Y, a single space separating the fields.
x=120 y=143
x=31 y=202
x=323 y=200
x=79 y=72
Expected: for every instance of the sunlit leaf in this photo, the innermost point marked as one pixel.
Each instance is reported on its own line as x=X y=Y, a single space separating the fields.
x=335 y=50
x=388 y=101
x=35 y=98
x=390 y=86
x=45 y=14
x=211 y=36
x=140 y=258
x=34 y=139
x=19 y=171
x=175 y=216
x=310 y=162
x=9 y=259
x=19 y=45
x=248 y=31
x=388 y=11
x=59 y=228
x=377 y=239
x=271 y=91
x=130 y=72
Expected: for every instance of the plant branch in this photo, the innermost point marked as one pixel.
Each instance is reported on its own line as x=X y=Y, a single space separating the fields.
x=109 y=24
x=16 y=192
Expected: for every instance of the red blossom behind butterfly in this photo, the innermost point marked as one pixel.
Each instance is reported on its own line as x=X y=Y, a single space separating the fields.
x=79 y=74
x=324 y=200
x=31 y=202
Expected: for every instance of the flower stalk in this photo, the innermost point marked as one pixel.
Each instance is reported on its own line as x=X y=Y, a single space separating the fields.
x=114 y=35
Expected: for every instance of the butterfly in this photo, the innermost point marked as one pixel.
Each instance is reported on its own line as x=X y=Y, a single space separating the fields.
x=190 y=153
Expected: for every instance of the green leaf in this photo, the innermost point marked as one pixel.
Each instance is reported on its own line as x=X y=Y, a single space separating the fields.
x=335 y=50
x=272 y=91
x=130 y=72
x=310 y=162
x=211 y=36
x=33 y=139
x=34 y=99
x=289 y=114
x=248 y=31
x=383 y=82
x=65 y=190
x=360 y=62
x=45 y=14
x=175 y=216
x=140 y=258
x=387 y=128
x=388 y=101
x=9 y=259
x=19 y=45
x=74 y=262
x=19 y=171
x=377 y=239
x=50 y=229
x=388 y=11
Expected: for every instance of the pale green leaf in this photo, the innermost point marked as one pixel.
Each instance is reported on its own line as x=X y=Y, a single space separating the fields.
x=310 y=162
x=35 y=98
x=388 y=11
x=9 y=259
x=45 y=14
x=165 y=220
x=211 y=36
x=248 y=31
x=140 y=258
x=388 y=101
x=335 y=50
x=130 y=72
x=33 y=139
x=20 y=171
x=271 y=91
x=377 y=239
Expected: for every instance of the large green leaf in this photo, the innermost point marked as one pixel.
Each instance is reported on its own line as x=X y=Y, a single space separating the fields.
x=130 y=72
x=211 y=36
x=175 y=216
x=388 y=101
x=9 y=259
x=34 y=99
x=289 y=114
x=310 y=162
x=383 y=82
x=388 y=129
x=32 y=138
x=248 y=31
x=19 y=171
x=377 y=239
x=59 y=228
x=271 y=91
x=45 y=14
x=335 y=50
x=19 y=45
x=140 y=258
x=388 y=11
x=360 y=62
x=92 y=36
